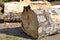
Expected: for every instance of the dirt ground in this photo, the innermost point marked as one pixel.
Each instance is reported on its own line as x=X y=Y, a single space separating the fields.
x=13 y=31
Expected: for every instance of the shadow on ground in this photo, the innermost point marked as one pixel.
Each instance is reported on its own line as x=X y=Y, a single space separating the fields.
x=15 y=32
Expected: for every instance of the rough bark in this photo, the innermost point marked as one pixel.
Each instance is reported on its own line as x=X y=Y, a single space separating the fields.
x=52 y=24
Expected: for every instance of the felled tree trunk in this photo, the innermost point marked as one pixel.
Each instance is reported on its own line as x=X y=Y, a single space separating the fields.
x=12 y=17
x=52 y=24
x=30 y=22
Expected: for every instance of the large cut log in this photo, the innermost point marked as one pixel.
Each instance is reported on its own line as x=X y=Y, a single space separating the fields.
x=17 y=8
x=52 y=24
x=41 y=23
x=40 y=5
x=13 y=10
x=12 y=17
x=30 y=22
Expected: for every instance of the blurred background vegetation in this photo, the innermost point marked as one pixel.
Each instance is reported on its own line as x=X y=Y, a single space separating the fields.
x=56 y=2
x=7 y=0
x=19 y=0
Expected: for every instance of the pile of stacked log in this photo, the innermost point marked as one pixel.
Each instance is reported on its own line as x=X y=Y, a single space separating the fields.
x=14 y=10
x=38 y=18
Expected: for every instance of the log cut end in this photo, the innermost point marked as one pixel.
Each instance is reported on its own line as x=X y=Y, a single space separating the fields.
x=30 y=22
